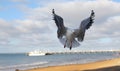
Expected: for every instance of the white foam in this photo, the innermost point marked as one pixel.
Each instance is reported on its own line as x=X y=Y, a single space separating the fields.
x=23 y=65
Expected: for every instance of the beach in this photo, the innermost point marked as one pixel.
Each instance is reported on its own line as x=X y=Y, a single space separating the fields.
x=104 y=65
x=70 y=61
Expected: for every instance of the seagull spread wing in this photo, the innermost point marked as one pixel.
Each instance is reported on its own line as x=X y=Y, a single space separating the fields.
x=85 y=24
x=66 y=35
x=60 y=25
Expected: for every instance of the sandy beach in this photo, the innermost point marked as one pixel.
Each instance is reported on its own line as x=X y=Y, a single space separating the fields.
x=107 y=65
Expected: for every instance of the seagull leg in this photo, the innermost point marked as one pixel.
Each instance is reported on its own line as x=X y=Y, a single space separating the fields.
x=71 y=45
x=65 y=44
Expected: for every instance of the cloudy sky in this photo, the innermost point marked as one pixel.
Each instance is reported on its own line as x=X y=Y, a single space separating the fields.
x=27 y=25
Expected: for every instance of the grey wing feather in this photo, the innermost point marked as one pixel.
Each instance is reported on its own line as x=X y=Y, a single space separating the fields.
x=85 y=24
x=60 y=24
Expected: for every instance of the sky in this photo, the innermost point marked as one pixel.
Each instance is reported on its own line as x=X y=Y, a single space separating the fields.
x=27 y=25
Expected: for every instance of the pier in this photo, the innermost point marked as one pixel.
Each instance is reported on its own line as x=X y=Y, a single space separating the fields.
x=90 y=51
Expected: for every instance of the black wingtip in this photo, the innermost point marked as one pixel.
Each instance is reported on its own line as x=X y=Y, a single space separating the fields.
x=92 y=13
x=53 y=11
x=92 y=10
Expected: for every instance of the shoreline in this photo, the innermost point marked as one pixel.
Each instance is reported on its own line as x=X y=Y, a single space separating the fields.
x=111 y=64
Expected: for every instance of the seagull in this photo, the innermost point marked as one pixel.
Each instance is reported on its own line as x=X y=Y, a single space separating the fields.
x=72 y=37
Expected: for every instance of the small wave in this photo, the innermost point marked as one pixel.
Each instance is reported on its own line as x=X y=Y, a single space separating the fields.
x=23 y=65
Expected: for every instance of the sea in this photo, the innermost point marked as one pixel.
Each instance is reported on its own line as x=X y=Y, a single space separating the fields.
x=11 y=62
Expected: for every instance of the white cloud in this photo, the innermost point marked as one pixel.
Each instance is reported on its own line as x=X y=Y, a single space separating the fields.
x=108 y=28
x=38 y=28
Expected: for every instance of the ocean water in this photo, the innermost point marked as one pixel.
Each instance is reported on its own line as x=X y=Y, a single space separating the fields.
x=10 y=62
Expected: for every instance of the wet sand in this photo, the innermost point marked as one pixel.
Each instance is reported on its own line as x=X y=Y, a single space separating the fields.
x=107 y=65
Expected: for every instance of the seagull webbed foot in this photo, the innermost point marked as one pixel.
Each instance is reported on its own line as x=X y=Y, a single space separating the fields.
x=64 y=46
x=70 y=47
